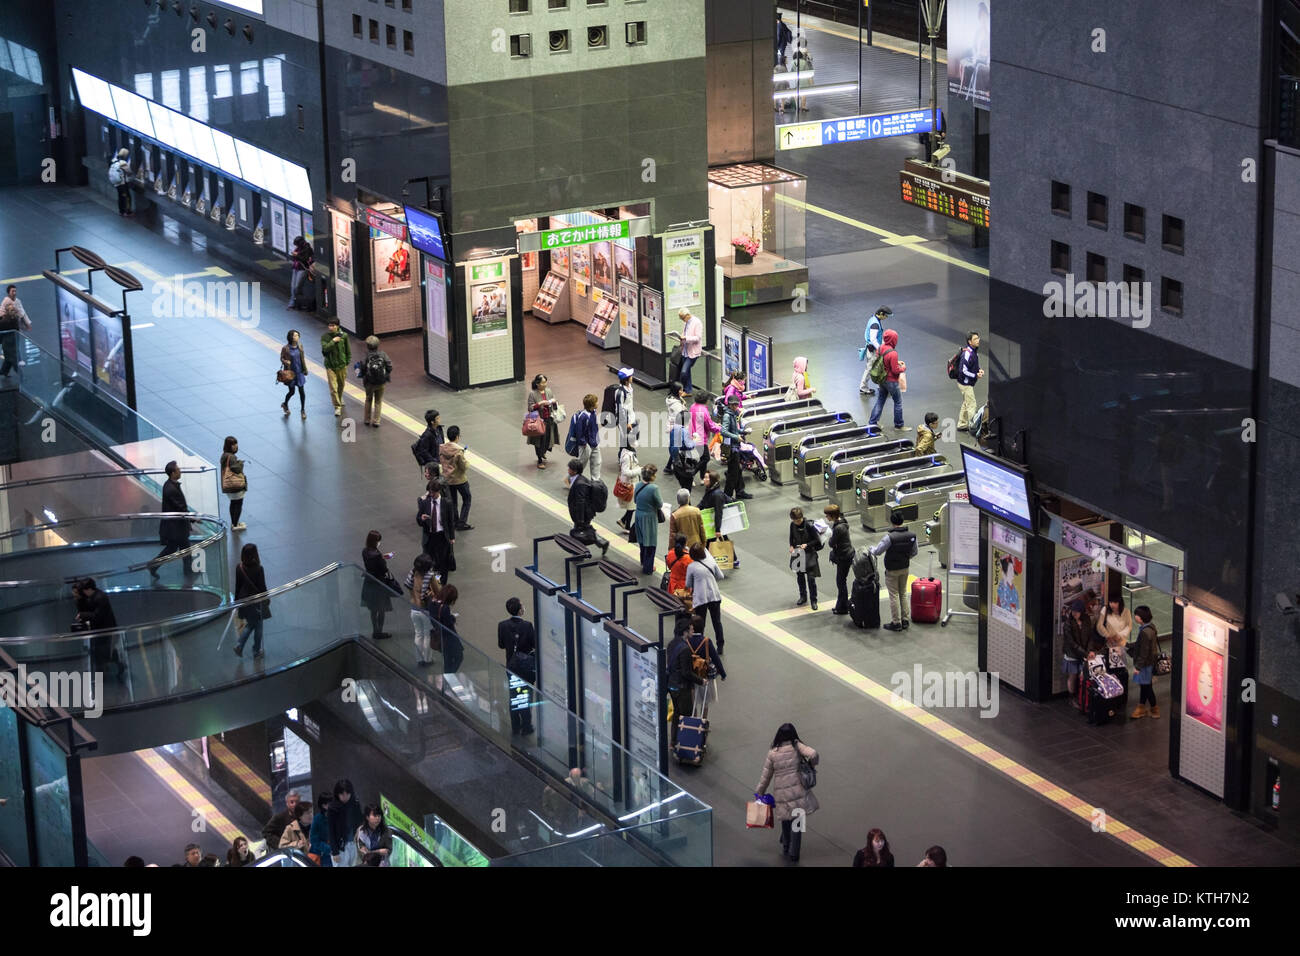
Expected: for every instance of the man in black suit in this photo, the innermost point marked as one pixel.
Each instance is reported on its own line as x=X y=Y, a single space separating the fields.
x=582 y=509
x=437 y=522
x=173 y=533
x=518 y=639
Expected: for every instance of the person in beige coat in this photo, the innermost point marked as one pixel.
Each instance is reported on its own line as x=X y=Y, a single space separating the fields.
x=1115 y=623
x=686 y=520
x=794 y=801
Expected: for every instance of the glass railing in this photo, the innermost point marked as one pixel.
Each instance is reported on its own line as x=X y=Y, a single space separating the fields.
x=63 y=498
x=582 y=785
x=70 y=390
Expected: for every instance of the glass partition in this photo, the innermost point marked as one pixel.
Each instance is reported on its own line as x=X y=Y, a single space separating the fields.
x=51 y=801
x=13 y=817
x=64 y=498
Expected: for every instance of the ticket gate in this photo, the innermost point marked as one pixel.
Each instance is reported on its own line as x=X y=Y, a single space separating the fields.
x=760 y=420
x=875 y=480
x=920 y=497
x=764 y=394
x=784 y=437
x=840 y=468
x=812 y=451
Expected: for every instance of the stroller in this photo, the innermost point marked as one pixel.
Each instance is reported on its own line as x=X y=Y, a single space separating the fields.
x=751 y=462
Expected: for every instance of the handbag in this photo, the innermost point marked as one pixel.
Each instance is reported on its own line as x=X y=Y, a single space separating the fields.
x=558 y=414
x=807 y=772
x=1163 y=663
x=392 y=583
x=533 y=426
x=622 y=490
x=233 y=481
x=686 y=596
x=523 y=666
x=285 y=376
x=758 y=812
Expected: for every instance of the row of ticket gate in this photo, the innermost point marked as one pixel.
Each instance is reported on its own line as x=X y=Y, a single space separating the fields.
x=828 y=454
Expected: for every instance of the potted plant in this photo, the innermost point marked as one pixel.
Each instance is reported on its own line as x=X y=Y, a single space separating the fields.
x=745 y=247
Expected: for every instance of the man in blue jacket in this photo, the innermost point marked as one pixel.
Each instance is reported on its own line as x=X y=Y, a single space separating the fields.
x=968 y=373
x=586 y=429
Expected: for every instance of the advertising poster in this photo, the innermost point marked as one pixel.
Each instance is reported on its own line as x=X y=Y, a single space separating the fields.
x=1075 y=577
x=684 y=279
x=968 y=51
x=624 y=263
x=110 y=354
x=560 y=261
x=602 y=266
x=293 y=222
x=1205 y=640
x=279 y=233
x=490 y=302
x=580 y=260
x=527 y=260
x=597 y=703
x=652 y=320
x=758 y=364
x=74 y=329
x=435 y=290
x=392 y=258
x=732 y=359
x=628 y=318
x=641 y=672
x=1008 y=589
x=342 y=251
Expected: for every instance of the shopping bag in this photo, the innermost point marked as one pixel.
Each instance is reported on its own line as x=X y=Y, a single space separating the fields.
x=724 y=553
x=758 y=812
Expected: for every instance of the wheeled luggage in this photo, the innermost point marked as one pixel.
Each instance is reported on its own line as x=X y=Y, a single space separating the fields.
x=864 y=602
x=927 y=600
x=1105 y=697
x=692 y=739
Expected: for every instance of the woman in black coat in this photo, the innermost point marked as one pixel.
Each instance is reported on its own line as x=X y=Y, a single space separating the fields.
x=250 y=580
x=453 y=649
x=376 y=593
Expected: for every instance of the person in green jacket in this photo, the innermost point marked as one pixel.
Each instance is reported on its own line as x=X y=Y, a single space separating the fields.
x=337 y=353
x=648 y=504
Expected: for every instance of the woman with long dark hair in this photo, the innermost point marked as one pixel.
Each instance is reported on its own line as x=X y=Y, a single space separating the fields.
x=233 y=481
x=444 y=618
x=293 y=371
x=250 y=581
x=373 y=837
x=542 y=401
x=876 y=852
x=344 y=818
x=794 y=800
x=375 y=593
x=239 y=853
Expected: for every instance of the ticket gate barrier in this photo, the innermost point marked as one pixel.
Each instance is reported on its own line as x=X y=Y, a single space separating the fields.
x=812 y=452
x=917 y=497
x=784 y=437
x=760 y=420
x=874 y=482
x=764 y=394
x=936 y=533
x=841 y=468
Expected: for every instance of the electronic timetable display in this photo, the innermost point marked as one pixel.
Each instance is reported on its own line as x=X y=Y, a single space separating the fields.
x=999 y=488
x=966 y=199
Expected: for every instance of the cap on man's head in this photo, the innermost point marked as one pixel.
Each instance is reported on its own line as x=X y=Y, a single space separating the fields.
x=624 y=373
x=884 y=311
x=896 y=517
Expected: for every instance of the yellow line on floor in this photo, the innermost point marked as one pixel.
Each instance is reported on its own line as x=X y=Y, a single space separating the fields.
x=212 y=817
x=227 y=758
x=782 y=638
x=911 y=243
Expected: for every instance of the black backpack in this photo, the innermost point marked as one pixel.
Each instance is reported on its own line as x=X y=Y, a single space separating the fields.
x=599 y=495
x=954 y=364
x=375 y=369
x=609 y=406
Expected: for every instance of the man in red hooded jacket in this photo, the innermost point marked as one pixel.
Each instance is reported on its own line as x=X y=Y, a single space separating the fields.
x=894 y=384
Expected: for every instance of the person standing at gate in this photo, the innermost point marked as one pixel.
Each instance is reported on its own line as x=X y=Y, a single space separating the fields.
x=968 y=373
x=119 y=176
x=336 y=351
x=733 y=433
x=692 y=345
x=899 y=547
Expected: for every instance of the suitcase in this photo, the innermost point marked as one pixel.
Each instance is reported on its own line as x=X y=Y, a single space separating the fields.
x=692 y=740
x=1105 y=698
x=927 y=598
x=864 y=602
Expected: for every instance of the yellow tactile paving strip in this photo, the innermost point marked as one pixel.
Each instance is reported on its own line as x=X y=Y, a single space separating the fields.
x=765 y=625
x=213 y=818
x=224 y=756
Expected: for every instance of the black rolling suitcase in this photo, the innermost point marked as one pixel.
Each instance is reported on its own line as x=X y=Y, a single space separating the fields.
x=675 y=364
x=864 y=602
x=1104 y=695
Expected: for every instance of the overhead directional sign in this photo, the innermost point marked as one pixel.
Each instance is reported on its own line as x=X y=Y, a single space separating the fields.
x=848 y=129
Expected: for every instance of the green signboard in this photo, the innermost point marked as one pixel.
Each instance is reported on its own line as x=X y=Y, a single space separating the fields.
x=490 y=270
x=449 y=847
x=580 y=235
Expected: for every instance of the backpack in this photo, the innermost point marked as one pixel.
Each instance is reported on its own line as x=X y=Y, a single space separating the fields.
x=954 y=364
x=571 y=443
x=599 y=495
x=116 y=176
x=879 y=370
x=609 y=406
x=699 y=663
x=375 y=369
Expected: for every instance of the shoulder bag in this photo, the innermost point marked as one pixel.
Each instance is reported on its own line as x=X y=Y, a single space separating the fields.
x=807 y=772
x=1163 y=664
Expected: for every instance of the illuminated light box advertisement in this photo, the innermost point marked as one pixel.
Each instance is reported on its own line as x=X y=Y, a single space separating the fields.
x=624 y=263
x=110 y=355
x=491 y=302
x=732 y=360
x=74 y=329
x=425 y=232
x=392 y=264
x=999 y=489
x=1205 y=641
x=757 y=364
x=968 y=51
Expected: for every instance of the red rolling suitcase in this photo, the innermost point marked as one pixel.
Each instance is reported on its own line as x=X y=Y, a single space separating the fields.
x=927 y=598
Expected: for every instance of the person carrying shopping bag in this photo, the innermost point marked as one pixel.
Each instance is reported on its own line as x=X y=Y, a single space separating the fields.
x=790 y=771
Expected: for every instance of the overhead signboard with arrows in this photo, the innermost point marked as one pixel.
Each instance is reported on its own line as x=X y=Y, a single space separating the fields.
x=848 y=129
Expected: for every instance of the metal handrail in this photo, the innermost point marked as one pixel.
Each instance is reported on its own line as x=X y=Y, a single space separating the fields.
x=119 y=473
x=189 y=617
x=139 y=515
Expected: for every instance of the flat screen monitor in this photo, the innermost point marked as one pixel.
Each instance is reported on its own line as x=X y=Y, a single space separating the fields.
x=425 y=230
x=227 y=155
x=93 y=93
x=999 y=488
x=132 y=110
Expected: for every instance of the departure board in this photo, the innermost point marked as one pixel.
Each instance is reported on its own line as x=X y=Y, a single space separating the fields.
x=966 y=199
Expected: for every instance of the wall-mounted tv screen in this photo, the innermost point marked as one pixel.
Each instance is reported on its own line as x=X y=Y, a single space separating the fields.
x=999 y=488
x=425 y=230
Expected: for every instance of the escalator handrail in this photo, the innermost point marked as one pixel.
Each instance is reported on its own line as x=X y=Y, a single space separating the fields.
x=86 y=475
x=420 y=849
x=192 y=617
x=298 y=857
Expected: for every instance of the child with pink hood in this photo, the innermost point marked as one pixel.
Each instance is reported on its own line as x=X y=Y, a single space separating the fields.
x=800 y=386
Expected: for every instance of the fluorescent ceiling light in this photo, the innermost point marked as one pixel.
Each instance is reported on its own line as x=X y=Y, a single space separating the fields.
x=815 y=90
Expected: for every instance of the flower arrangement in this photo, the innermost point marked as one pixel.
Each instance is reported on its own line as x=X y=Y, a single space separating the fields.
x=747 y=244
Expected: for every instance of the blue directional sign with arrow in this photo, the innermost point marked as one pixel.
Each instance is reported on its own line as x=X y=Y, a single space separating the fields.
x=847 y=129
